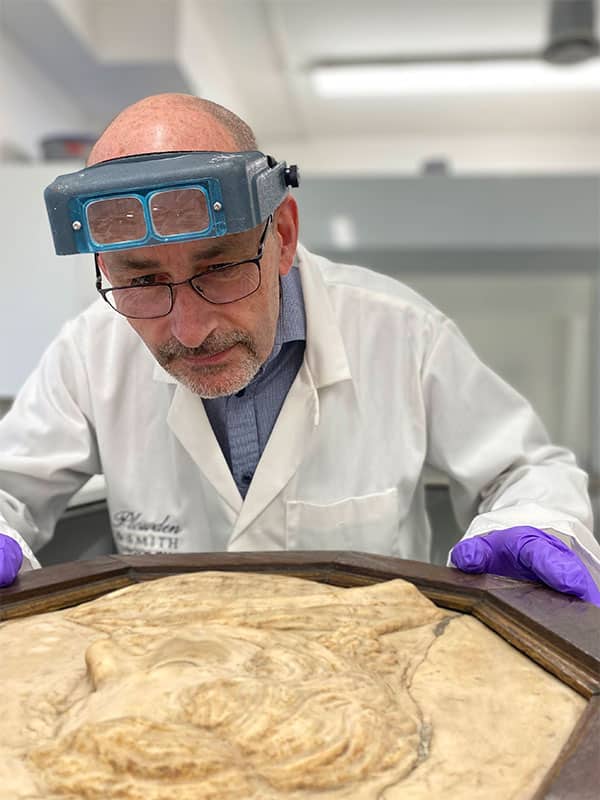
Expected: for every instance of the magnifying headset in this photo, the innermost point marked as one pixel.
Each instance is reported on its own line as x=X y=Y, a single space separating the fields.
x=159 y=198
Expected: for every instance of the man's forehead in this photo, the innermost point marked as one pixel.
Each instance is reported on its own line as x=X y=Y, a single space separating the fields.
x=136 y=135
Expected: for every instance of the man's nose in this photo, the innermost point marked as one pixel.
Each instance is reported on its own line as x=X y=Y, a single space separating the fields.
x=192 y=318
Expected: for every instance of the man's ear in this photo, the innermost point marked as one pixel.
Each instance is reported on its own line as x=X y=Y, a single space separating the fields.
x=285 y=224
x=102 y=265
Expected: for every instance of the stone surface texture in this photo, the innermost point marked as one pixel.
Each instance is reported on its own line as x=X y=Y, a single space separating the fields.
x=222 y=685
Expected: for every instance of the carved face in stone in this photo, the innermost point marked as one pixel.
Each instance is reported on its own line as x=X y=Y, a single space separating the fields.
x=262 y=711
x=223 y=686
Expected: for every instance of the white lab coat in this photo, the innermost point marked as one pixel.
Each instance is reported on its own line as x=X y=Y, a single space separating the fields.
x=388 y=385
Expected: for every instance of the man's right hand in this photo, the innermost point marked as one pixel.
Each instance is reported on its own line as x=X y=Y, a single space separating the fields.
x=11 y=558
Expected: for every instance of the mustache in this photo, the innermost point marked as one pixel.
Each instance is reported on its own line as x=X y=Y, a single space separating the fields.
x=213 y=344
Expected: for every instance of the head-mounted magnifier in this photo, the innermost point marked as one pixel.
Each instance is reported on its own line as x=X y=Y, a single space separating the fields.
x=159 y=198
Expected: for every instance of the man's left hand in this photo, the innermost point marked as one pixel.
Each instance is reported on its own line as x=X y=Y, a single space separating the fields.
x=527 y=553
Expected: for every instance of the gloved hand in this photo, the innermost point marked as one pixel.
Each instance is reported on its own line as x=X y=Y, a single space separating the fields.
x=527 y=553
x=11 y=558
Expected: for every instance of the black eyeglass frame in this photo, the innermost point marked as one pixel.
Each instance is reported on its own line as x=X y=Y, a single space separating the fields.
x=213 y=268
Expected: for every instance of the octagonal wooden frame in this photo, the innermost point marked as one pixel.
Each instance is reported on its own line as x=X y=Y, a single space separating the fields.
x=558 y=632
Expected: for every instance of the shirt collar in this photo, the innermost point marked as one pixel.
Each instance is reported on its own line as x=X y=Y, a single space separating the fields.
x=291 y=324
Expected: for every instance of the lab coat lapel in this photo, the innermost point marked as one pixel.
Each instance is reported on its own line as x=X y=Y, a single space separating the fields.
x=189 y=422
x=325 y=350
x=325 y=363
x=285 y=449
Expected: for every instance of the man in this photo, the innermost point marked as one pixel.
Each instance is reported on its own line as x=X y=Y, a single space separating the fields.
x=239 y=393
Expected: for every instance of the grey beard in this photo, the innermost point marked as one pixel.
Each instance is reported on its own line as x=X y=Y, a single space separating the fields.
x=213 y=344
x=168 y=354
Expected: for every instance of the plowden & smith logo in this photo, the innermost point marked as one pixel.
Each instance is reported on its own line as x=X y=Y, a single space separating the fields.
x=134 y=533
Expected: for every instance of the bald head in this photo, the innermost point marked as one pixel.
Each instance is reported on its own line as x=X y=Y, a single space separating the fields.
x=168 y=122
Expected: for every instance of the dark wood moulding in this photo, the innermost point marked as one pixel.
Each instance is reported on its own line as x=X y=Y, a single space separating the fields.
x=558 y=632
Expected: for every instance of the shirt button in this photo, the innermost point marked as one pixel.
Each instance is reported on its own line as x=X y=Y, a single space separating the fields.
x=246 y=478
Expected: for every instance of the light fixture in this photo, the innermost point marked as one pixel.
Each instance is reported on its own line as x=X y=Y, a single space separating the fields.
x=453 y=77
x=566 y=64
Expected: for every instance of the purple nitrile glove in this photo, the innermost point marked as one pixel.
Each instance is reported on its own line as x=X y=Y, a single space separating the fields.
x=527 y=553
x=11 y=558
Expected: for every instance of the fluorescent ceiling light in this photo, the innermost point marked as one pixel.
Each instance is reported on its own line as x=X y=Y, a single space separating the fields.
x=451 y=77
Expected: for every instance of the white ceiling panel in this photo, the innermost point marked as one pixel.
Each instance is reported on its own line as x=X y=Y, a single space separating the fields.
x=254 y=56
x=315 y=30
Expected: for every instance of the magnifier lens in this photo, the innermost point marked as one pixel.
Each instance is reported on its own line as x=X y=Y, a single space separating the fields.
x=177 y=211
x=115 y=220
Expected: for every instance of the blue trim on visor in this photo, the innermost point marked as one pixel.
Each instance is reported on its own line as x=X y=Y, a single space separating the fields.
x=86 y=243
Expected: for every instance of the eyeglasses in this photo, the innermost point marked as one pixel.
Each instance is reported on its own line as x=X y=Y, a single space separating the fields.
x=219 y=284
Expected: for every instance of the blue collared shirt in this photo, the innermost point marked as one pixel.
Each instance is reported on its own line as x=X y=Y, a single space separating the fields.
x=243 y=422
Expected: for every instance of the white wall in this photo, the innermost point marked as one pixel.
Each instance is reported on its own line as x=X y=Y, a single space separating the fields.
x=123 y=31
x=77 y=14
x=545 y=153
x=39 y=290
x=31 y=106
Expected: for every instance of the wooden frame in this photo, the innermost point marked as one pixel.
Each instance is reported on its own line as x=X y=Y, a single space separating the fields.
x=558 y=632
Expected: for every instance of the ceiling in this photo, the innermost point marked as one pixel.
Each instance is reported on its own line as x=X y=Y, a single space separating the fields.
x=254 y=55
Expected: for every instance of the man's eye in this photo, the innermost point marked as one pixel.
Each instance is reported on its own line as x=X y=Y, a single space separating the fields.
x=219 y=267
x=144 y=280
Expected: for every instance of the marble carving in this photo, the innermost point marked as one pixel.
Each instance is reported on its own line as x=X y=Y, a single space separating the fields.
x=211 y=686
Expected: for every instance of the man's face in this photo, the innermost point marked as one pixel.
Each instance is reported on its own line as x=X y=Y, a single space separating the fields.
x=214 y=350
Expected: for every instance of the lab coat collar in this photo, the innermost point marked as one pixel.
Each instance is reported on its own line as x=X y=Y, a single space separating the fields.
x=161 y=375
x=325 y=352
x=325 y=363
x=188 y=420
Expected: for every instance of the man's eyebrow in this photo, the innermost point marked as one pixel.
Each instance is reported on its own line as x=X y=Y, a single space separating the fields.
x=154 y=263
